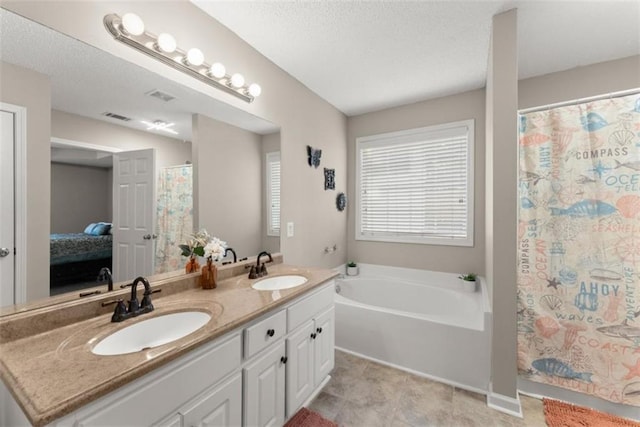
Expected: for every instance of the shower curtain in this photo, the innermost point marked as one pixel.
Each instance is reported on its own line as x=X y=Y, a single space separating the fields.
x=174 y=216
x=579 y=248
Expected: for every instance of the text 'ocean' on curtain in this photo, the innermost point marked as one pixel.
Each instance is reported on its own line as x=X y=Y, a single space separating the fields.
x=579 y=248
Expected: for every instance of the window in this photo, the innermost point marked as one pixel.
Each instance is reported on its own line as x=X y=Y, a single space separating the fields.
x=273 y=194
x=416 y=186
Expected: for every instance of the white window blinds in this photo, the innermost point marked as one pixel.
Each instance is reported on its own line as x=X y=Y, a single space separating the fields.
x=273 y=194
x=415 y=186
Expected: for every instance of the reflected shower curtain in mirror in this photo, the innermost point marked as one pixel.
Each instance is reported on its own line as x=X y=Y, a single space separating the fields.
x=579 y=248
x=175 y=216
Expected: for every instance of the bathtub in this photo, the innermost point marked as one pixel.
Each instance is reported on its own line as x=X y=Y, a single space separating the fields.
x=419 y=321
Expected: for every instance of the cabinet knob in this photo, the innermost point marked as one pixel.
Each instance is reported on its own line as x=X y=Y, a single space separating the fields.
x=319 y=330
x=284 y=359
x=313 y=335
x=271 y=332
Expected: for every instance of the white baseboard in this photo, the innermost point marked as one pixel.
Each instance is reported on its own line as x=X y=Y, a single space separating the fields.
x=505 y=404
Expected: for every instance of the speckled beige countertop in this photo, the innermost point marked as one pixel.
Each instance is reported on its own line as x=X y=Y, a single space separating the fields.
x=47 y=364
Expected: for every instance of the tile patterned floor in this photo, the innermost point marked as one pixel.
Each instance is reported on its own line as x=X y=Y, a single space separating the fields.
x=366 y=394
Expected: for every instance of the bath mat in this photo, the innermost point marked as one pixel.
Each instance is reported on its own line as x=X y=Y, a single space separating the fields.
x=307 y=418
x=560 y=414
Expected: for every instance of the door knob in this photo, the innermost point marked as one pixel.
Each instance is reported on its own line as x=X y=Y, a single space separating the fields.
x=154 y=236
x=147 y=237
x=4 y=252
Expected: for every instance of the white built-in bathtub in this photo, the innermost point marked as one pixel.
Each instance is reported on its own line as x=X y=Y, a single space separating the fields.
x=420 y=321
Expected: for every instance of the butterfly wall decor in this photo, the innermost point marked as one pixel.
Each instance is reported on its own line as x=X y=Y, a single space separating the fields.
x=314 y=156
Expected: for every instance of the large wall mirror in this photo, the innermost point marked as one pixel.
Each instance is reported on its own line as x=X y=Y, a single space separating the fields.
x=103 y=109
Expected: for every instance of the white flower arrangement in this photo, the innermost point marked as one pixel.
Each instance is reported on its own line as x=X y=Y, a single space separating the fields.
x=215 y=249
x=196 y=243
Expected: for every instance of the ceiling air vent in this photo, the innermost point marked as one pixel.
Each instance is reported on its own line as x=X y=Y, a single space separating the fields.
x=117 y=116
x=161 y=95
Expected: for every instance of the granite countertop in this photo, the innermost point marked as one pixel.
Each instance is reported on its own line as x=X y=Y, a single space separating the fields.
x=52 y=372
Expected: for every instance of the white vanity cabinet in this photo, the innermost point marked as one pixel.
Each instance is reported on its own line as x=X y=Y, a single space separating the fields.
x=303 y=367
x=257 y=375
x=310 y=342
x=310 y=355
x=182 y=393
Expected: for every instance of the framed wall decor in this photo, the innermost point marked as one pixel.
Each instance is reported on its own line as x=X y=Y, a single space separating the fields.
x=329 y=179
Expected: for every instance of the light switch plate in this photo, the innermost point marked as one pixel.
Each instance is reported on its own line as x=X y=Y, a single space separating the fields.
x=290 y=229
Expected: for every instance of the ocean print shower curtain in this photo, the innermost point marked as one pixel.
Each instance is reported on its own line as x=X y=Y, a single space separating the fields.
x=174 y=216
x=579 y=248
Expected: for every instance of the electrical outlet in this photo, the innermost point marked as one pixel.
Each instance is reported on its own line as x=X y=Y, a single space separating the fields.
x=289 y=229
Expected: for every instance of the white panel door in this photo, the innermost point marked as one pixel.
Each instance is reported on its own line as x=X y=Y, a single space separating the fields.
x=218 y=408
x=264 y=389
x=134 y=212
x=324 y=345
x=300 y=367
x=7 y=220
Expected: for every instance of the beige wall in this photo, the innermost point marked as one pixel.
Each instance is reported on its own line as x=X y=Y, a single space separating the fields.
x=270 y=144
x=169 y=151
x=581 y=82
x=455 y=259
x=501 y=189
x=32 y=90
x=80 y=195
x=304 y=118
x=229 y=174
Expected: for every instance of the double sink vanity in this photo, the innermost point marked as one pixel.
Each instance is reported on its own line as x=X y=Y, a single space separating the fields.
x=250 y=352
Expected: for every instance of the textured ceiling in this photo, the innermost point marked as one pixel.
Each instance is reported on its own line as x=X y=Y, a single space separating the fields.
x=363 y=56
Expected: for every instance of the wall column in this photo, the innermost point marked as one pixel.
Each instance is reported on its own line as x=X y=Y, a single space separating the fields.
x=501 y=208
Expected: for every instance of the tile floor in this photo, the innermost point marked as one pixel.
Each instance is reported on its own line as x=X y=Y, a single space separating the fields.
x=366 y=394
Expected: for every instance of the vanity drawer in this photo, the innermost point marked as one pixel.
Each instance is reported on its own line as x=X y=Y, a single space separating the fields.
x=304 y=310
x=265 y=332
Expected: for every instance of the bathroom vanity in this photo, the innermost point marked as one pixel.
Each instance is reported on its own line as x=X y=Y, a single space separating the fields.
x=262 y=355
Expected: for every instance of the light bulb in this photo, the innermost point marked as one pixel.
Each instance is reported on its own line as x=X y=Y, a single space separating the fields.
x=255 y=90
x=166 y=43
x=237 y=80
x=132 y=24
x=217 y=70
x=195 y=56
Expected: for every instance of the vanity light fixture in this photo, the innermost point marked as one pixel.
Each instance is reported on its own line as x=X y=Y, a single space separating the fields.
x=129 y=29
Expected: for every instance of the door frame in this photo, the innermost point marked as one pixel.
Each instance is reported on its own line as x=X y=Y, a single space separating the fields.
x=20 y=199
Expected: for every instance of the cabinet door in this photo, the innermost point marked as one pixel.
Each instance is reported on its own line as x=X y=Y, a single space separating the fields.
x=264 y=389
x=300 y=369
x=324 y=345
x=221 y=406
x=174 y=420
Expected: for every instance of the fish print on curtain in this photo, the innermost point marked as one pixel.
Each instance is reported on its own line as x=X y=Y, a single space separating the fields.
x=579 y=248
x=175 y=216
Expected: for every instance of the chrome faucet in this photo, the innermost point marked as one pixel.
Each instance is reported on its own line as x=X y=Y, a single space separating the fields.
x=122 y=312
x=105 y=273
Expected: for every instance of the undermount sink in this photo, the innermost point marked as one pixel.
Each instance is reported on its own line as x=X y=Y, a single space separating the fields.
x=277 y=283
x=151 y=333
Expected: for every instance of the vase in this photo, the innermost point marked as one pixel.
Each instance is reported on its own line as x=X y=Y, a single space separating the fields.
x=469 y=286
x=209 y=278
x=192 y=265
x=353 y=271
